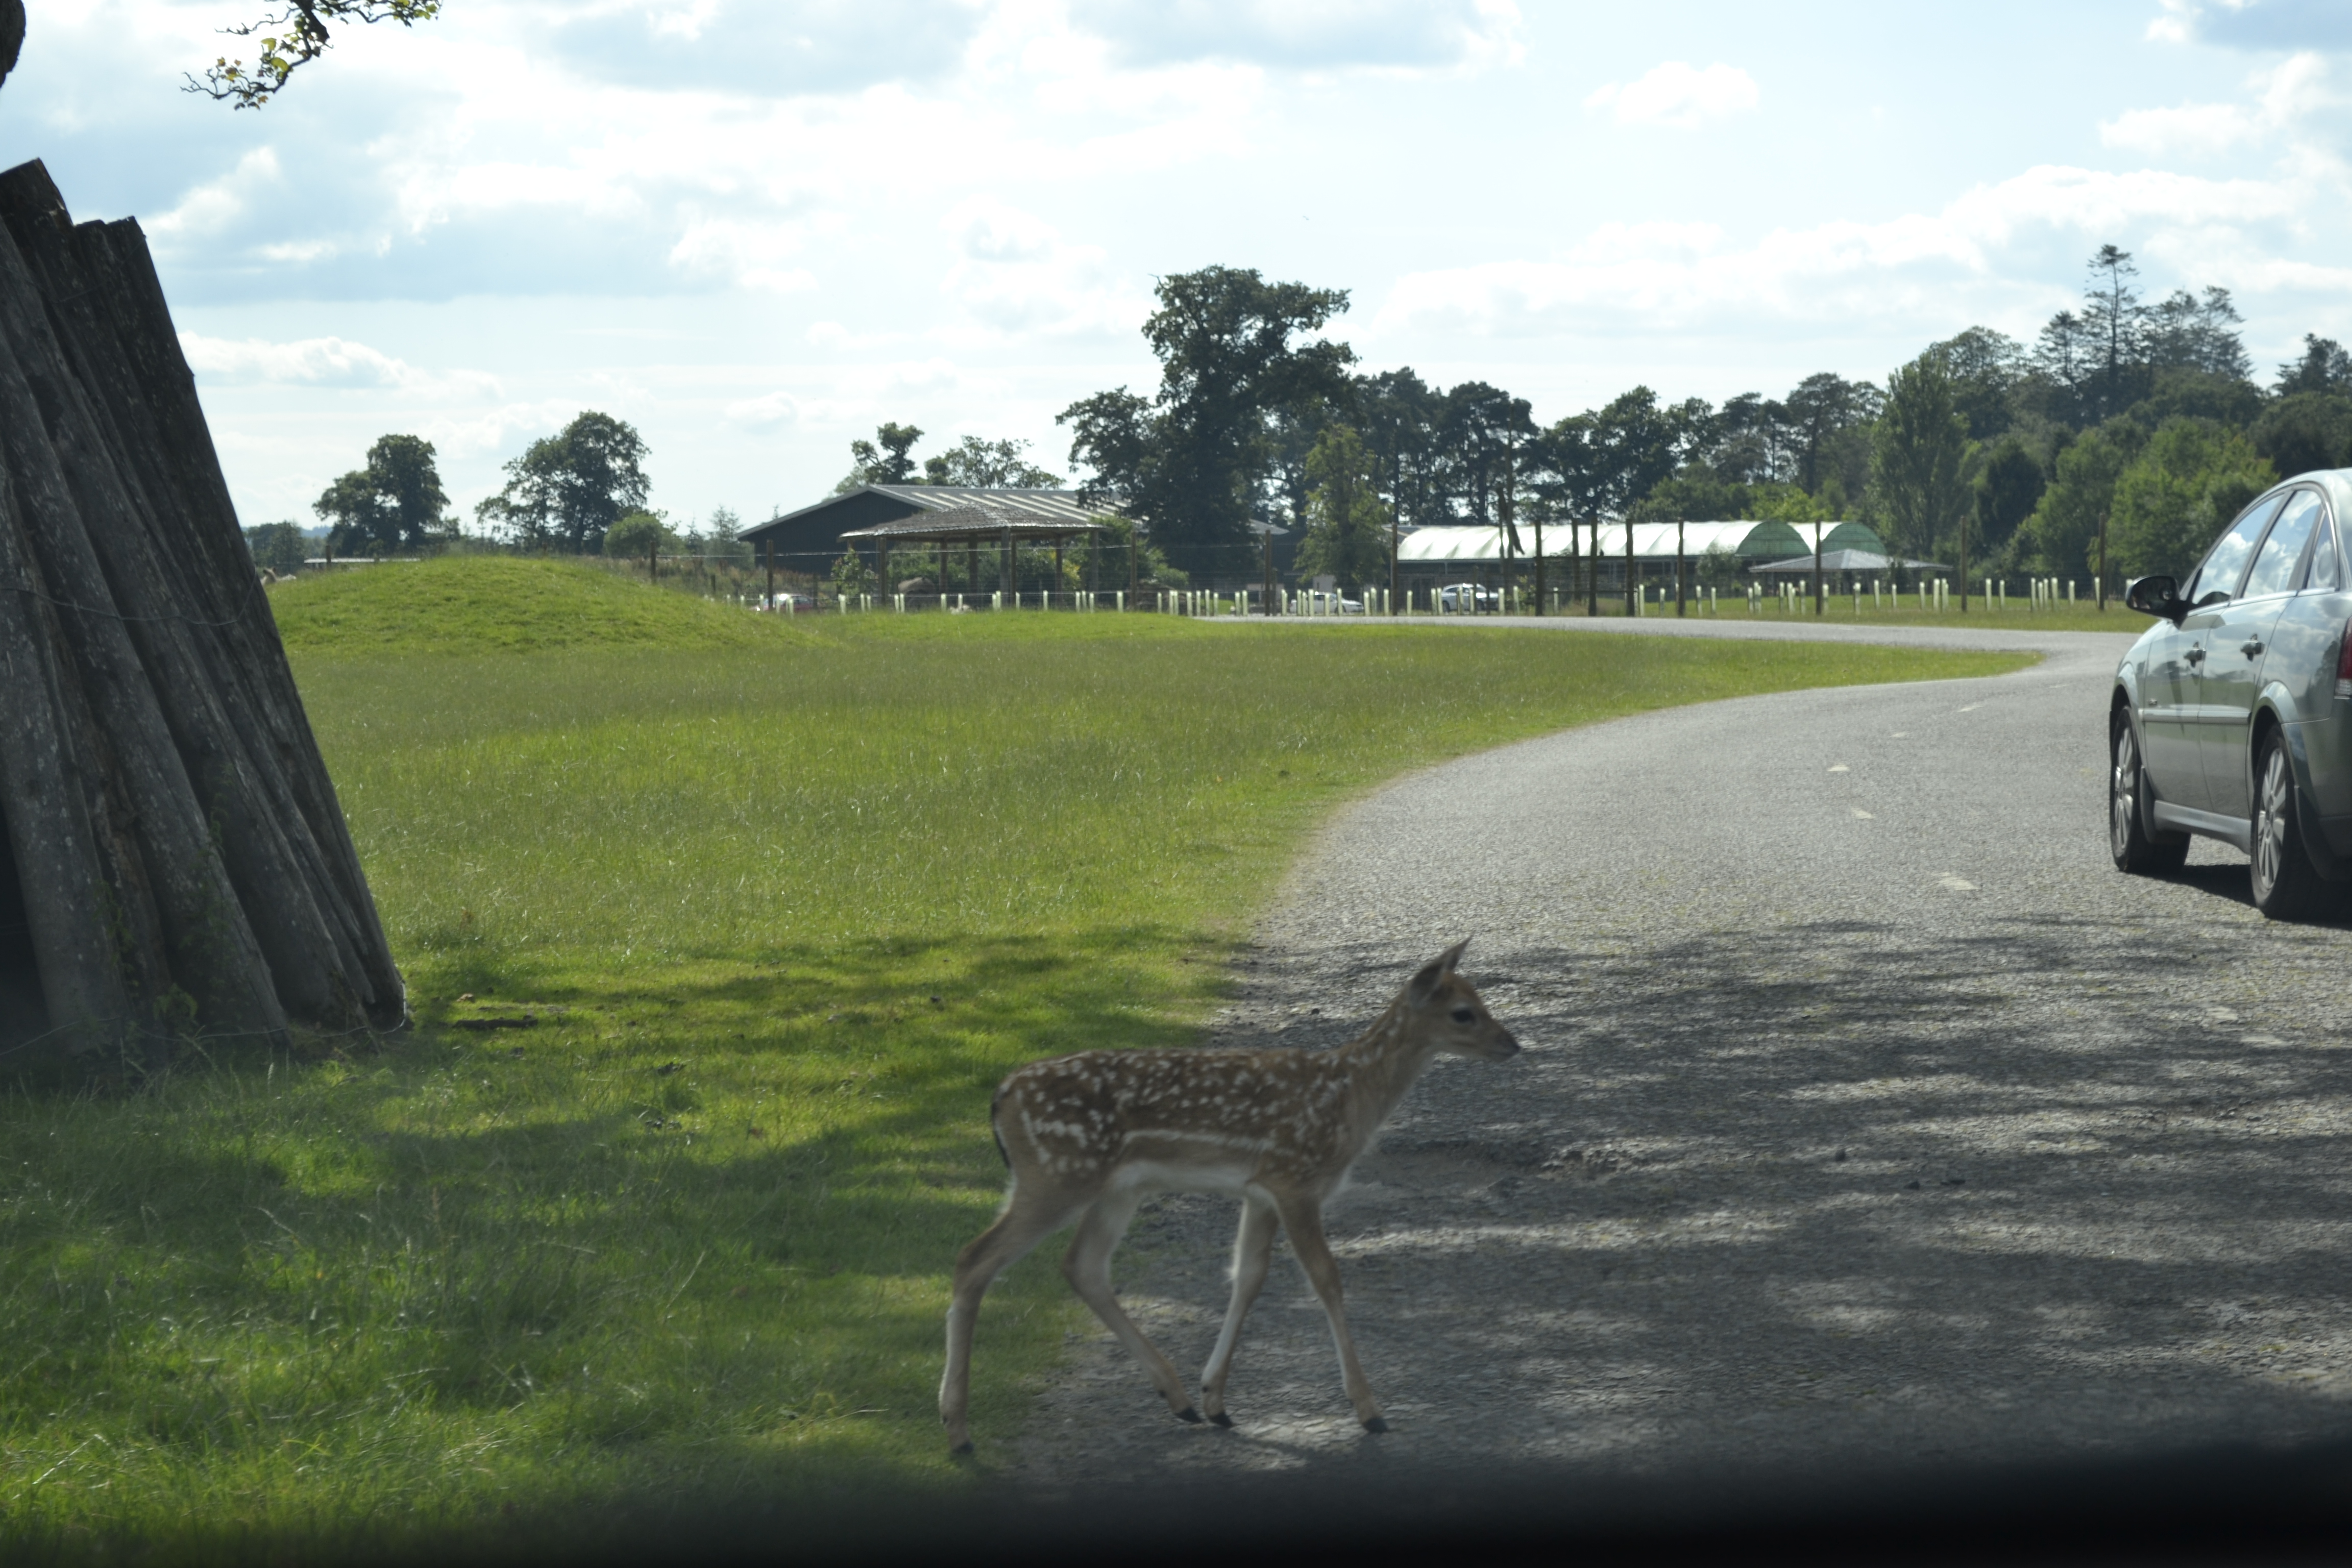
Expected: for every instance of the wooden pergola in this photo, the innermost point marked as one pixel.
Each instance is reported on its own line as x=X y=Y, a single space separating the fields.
x=971 y=526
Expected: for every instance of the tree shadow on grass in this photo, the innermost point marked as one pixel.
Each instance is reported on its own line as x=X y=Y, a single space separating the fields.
x=702 y=1209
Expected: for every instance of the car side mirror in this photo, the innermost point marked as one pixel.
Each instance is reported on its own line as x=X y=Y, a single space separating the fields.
x=2158 y=596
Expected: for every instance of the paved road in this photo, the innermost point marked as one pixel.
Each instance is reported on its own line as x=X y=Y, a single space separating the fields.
x=1868 y=1115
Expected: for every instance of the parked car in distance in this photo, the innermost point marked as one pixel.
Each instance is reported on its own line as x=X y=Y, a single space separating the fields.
x=1468 y=598
x=2231 y=716
x=794 y=603
x=1322 y=602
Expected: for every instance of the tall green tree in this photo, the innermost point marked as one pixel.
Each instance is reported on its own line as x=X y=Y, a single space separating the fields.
x=277 y=547
x=567 y=489
x=639 y=536
x=394 y=503
x=2175 y=498
x=1815 y=418
x=2305 y=430
x=987 y=464
x=1985 y=368
x=1637 y=443
x=1346 y=523
x=2062 y=536
x=887 y=459
x=1479 y=429
x=2008 y=487
x=2116 y=323
x=1922 y=455
x=1396 y=412
x=1191 y=462
x=2323 y=366
x=2193 y=332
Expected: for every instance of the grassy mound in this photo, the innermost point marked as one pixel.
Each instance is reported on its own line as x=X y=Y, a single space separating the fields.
x=502 y=603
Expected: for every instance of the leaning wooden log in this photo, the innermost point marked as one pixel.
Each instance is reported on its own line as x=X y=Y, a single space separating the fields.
x=210 y=843
x=247 y=646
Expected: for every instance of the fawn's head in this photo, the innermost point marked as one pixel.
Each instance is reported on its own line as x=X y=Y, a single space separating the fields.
x=1447 y=1009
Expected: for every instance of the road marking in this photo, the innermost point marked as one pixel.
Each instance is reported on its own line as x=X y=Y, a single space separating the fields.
x=1864 y=815
x=1952 y=884
x=1971 y=707
x=1841 y=768
x=1900 y=735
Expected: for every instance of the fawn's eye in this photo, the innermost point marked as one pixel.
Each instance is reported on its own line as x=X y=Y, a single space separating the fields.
x=1463 y=1015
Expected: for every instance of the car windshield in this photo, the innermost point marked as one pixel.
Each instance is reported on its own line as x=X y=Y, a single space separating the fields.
x=2282 y=553
x=2227 y=559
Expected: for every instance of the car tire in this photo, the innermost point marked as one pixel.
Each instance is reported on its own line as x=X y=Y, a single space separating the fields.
x=2287 y=885
x=2137 y=851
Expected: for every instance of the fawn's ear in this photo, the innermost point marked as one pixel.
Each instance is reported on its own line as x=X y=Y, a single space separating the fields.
x=1424 y=984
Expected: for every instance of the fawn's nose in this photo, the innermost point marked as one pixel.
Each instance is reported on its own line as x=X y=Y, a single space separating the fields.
x=1506 y=1045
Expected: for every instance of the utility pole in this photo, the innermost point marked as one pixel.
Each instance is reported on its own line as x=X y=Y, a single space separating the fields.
x=1964 y=562
x=1821 y=531
x=1629 y=565
x=1396 y=513
x=1509 y=533
x=1680 y=539
x=1539 y=570
x=2102 y=563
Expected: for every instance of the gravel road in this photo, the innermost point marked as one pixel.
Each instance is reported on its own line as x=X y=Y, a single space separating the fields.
x=1868 y=1115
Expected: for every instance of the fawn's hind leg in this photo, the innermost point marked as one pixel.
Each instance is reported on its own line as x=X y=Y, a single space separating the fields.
x=1027 y=1220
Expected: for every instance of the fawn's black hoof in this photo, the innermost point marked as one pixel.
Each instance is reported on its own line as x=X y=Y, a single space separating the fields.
x=1376 y=1424
x=1221 y=1419
x=1188 y=1414
x=963 y=1450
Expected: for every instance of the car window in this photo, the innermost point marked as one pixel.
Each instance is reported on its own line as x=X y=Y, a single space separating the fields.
x=2227 y=559
x=2282 y=554
x=2327 y=574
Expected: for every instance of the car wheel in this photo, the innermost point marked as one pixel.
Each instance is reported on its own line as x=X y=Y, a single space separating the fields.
x=2287 y=885
x=2128 y=836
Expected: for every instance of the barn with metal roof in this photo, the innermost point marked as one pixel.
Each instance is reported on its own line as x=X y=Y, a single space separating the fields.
x=809 y=540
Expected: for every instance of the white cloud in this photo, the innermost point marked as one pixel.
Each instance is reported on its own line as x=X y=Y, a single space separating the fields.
x=746 y=254
x=1014 y=273
x=2285 y=94
x=311 y=362
x=1307 y=35
x=1676 y=94
x=774 y=412
x=210 y=208
x=1653 y=277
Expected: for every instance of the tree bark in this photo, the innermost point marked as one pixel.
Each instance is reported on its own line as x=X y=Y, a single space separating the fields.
x=231 y=887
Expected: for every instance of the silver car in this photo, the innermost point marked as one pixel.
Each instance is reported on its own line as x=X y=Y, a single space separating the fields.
x=2232 y=715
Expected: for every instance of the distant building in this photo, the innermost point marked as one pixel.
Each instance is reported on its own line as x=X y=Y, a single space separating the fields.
x=809 y=540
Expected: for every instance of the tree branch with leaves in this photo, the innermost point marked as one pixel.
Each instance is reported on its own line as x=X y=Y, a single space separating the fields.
x=290 y=39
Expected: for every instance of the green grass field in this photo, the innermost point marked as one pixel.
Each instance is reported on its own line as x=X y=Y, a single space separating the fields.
x=782 y=901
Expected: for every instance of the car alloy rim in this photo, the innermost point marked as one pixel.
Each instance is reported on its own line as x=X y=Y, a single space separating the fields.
x=2123 y=795
x=2270 y=822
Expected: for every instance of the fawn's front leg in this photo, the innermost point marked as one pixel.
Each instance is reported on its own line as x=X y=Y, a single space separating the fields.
x=1304 y=1220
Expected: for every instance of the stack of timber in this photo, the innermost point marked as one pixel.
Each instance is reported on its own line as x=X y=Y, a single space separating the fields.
x=174 y=863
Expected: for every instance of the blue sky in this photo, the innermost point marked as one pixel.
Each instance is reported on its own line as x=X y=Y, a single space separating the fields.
x=757 y=230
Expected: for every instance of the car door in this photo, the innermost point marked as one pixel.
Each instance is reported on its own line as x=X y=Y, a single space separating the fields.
x=2239 y=639
x=2171 y=681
